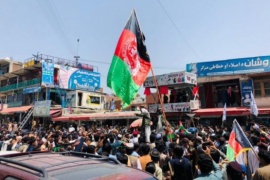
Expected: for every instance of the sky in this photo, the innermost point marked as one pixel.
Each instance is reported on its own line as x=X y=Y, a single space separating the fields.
x=177 y=32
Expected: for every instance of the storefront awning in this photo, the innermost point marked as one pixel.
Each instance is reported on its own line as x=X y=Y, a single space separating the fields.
x=264 y=111
x=55 y=113
x=15 y=110
x=219 y=111
x=72 y=118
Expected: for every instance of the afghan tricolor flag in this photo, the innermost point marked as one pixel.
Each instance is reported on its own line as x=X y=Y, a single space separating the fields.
x=130 y=64
x=238 y=142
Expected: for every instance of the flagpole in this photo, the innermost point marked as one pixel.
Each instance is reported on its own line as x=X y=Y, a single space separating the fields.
x=161 y=102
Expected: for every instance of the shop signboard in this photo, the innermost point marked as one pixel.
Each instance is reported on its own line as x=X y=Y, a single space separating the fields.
x=78 y=79
x=30 y=90
x=230 y=67
x=171 y=79
x=42 y=108
x=171 y=107
x=47 y=74
x=246 y=89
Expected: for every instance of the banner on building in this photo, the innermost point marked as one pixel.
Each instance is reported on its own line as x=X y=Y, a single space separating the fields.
x=42 y=108
x=47 y=74
x=171 y=78
x=171 y=107
x=246 y=89
x=230 y=67
x=78 y=79
x=30 y=90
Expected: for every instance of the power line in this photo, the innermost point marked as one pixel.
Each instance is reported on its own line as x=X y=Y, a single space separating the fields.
x=177 y=29
x=56 y=24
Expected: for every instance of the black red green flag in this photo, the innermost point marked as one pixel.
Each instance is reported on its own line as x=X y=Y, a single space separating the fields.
x=238 y=142
x=130 y=64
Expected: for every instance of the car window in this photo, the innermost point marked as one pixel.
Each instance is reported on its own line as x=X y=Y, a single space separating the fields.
x=11 y=178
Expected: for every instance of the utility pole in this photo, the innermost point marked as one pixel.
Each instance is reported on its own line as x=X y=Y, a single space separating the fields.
x=77 y=56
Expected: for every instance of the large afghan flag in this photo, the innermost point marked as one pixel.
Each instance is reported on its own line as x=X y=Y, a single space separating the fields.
x=130 y=64
x=238 y=142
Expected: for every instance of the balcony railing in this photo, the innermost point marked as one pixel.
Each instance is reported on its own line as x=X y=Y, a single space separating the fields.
x=20 y=85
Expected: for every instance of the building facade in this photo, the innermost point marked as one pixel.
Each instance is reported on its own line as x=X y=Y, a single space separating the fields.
x=228 y=81
x=63 y=83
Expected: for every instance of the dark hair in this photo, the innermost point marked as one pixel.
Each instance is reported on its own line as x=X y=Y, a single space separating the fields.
x=111 y=139
x=96 y=137
x=165 y=139
x=141 y=139
x=205 y=163
x=145 y=149
x=122 y=158
x=129 y=151
x=215 y=155
x=160 y=146
x=155 y=155
x=136 y=146
x=265 y=156
x=106 y=147
x=150 y=167
x=152 y=138
x=178 y=151
x=90 y=149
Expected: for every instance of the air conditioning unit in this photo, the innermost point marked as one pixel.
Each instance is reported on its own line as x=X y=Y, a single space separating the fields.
x=195 y=104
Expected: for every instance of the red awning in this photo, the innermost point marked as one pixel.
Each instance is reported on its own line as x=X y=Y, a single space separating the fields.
x=264 y=111
x=15 y=110
x=219 y=111
x=72 y=118
x=54 y=111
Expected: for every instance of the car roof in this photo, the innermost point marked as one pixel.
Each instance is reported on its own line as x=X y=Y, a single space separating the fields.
x=72 y=165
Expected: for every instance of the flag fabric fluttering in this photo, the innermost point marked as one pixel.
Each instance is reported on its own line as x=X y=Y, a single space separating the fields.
x=238 y=142
x=130 y=64
x=224 y=113
x=253 y=105
x=182 y=129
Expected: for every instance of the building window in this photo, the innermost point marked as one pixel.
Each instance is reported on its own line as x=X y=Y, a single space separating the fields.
x=10 y=98
x=267 y=88
x=262 y=86
x=257 y=89
x=19 y=97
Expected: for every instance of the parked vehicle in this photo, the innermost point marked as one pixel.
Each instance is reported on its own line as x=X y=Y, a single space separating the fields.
x=66 y=165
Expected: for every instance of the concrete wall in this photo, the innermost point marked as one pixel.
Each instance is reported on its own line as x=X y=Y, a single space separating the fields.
x=263 y=101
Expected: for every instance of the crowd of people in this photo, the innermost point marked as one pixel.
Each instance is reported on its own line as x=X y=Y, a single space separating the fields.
x=172 y=154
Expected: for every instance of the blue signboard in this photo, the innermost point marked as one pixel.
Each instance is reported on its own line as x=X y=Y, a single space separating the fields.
x=84 y=80
x=230 y=67
x=47 y=74
x=31 y=90
x=246 y=89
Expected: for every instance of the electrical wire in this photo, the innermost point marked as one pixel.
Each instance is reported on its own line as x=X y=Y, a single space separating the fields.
x=178 y=30
x=55 y=23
